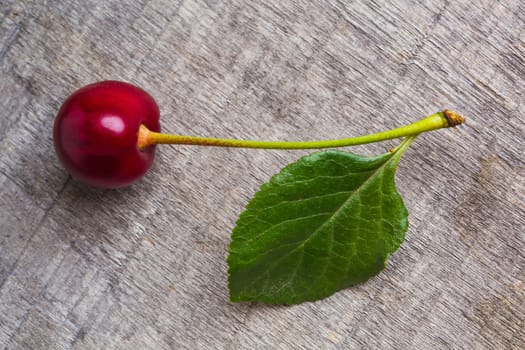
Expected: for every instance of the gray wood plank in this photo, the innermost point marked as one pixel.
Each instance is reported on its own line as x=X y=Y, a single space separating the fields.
x=144 y=267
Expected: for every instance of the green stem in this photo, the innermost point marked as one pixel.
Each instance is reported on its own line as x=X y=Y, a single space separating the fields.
x=403 y=146
x=435 y=121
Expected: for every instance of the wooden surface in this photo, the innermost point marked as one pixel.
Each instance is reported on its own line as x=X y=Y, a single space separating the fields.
x=144 y=267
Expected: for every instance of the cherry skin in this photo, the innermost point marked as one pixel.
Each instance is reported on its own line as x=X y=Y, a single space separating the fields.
x=96 y=129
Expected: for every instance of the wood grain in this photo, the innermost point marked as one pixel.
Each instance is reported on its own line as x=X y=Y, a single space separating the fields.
x=144 y=267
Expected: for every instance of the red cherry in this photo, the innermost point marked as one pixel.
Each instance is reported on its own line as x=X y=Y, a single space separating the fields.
x=96 y=129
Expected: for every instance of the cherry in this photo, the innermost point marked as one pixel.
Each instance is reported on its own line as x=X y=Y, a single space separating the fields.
x=96 y=130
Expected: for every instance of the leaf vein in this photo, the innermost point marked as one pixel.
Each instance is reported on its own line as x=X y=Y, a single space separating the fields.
x=281 y=223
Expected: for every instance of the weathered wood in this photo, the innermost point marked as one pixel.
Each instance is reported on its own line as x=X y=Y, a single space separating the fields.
x=144 y=267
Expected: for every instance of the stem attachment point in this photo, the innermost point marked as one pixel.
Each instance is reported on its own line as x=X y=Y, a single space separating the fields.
x=453 y=119
x=143 y=139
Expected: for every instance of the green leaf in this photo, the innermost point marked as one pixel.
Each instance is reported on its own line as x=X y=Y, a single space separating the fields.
x=324 y=223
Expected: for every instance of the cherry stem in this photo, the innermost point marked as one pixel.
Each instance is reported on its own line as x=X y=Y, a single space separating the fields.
x=435 y=121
